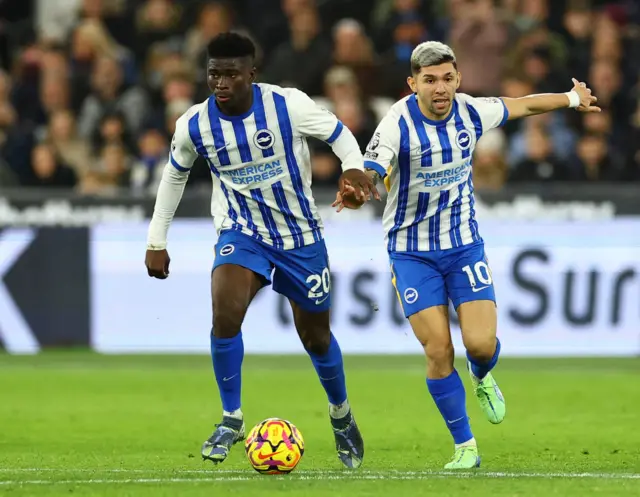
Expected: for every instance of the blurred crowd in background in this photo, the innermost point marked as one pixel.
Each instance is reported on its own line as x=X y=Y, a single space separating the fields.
x=90 y=89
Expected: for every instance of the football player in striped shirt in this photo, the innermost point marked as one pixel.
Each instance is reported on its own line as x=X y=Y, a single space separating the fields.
x=254 y=139
x=423 y=149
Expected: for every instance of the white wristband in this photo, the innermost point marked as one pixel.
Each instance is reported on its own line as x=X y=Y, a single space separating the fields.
x=574 y=99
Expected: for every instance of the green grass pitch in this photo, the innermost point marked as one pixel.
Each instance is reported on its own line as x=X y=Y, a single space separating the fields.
x=77 y=423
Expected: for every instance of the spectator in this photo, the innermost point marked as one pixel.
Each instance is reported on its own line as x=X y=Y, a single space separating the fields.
x=113 y=130
x=325 y=167
x=301 y=62
x=561 y=136
x=341 y=84
x=7 y=178
x=54 y=96
x=147 y=171
x=577 y=32
x=94 y=184
x=165 y=62
x=489 y=165
x=90 y=42
x=55 y=20
x=632 y=168
x=214 y=18
x=156 y=21
x=540 y=163
x=388 y=14
x=176 y=87
x=48 y=171
x=64 y=139
x=8 y=118
x=110 y=95
x=605 y=78
x=608 y=43
x=593 y=161
x=8 y=114
x=115 y=165
x=479 y=40
x=172 y=112
x=353 y=116
x=409 y=31
x=352 y=48
x=99 y=84
x=293 y=7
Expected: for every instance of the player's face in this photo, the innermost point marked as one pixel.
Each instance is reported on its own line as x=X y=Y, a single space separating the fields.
x=230 y=81
x=436 y=88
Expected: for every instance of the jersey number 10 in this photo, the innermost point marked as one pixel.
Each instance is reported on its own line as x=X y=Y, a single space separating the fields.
x=479 y=272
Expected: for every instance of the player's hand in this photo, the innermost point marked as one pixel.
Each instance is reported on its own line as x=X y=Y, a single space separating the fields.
x=358 y=183
x=349 y=192
x=157 y=262
x=587 y=100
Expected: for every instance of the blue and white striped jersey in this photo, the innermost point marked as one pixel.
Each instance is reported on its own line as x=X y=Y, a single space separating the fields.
x=260 y=163
x=427 y=169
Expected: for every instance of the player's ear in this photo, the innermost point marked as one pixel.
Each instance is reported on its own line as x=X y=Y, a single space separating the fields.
x=459 y=80
x=252 y=74
x=412 y=84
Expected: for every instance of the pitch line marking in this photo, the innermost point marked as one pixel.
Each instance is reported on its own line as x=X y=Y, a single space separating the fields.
x=237 y=475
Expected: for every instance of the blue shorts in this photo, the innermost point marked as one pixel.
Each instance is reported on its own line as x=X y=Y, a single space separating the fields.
x=427 y=279
x=300 y=274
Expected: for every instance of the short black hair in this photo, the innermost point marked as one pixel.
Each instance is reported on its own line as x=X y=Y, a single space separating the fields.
x=231 y=45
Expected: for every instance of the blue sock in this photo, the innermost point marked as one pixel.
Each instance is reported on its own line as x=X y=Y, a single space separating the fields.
x=480 y=369
x=448 y=394
x=331 y=373
x=227 y=355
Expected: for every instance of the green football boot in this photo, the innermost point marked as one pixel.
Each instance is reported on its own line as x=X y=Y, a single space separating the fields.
x=465 y=457
x=490 y=397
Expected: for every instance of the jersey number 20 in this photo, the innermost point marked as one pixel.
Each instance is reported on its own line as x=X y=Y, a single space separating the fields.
x=320 y=284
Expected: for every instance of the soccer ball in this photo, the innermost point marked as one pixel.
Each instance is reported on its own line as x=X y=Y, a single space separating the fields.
x=274 y=447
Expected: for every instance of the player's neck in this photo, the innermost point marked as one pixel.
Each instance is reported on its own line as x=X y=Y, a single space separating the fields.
x=430 y=115
x=237 y=109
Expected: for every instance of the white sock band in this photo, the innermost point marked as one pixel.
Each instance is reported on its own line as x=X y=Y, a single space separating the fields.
x=237 y=414
x=469 y=443
x=339 y=411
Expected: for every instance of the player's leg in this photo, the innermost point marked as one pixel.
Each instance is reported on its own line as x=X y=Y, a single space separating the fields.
x=303 y=276
x=233 y=287
x=422 y=294
x=315 y=334
x=326 y=356
x=470 y=285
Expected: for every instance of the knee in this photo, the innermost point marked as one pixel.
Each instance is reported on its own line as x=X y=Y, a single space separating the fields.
x=227 y=317
x=440 y=353
x=316 y=341
x=480 y=347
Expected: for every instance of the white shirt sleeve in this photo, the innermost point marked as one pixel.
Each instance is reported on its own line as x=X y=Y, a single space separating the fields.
x=310 y=119
x=492 y=111
x=183 y=151
x=383 y=149
x=174 y=179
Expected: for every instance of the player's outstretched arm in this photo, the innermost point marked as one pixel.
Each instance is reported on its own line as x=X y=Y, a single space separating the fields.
x=170 y=190
x=579 y=98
